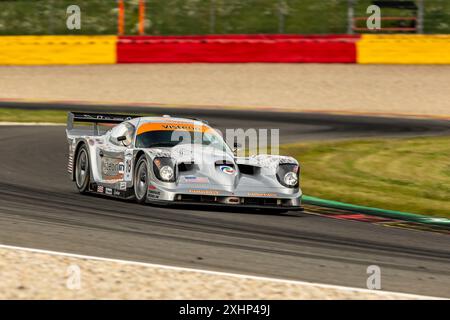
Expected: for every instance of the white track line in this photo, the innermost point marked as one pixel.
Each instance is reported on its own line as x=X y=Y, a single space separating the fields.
x=217 y=273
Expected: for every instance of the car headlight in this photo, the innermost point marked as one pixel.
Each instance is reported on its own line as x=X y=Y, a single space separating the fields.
x=291 y=179
x=166 y=173
x=164 y=169
x=288 y=175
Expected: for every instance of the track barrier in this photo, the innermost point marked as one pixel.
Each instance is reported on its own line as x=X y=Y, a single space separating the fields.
x=241 y=49
x=404 y=49
x=365 y=49
x=405 y=216
x=49 y=50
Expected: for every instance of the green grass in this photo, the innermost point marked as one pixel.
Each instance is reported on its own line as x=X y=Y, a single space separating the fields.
x=18 y=115
x=179 y=17
x=49 y=116
x=410 y=175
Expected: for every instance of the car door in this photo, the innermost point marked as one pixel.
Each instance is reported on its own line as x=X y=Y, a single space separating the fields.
x=112 y=155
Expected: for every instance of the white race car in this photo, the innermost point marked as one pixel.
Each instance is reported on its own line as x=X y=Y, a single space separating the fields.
x=138 y=158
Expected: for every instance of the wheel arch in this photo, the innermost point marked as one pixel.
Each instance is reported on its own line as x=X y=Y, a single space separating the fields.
x=138 y=156
x=80 y=144
x=135 y=160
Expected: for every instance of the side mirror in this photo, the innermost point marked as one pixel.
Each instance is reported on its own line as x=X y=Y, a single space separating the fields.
x=124 y=140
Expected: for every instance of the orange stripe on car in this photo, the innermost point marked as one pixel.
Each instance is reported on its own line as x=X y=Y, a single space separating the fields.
x=153 y=126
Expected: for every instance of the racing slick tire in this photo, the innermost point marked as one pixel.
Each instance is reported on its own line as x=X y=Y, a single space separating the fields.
x=82 y=170
x=141 y=178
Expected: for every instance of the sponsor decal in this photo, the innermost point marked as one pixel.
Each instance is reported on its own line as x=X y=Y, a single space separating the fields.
x=122 y=186
x=121 y=167
x=194 y=179
x=128 y=169
x=117 y=193
x=227 y=169
x=100 y=189
x=108 y=191
x=205 y=192
x=151 y=187
x=181 y=126
x=256 y=194
x=112 y=169
x=153 y=194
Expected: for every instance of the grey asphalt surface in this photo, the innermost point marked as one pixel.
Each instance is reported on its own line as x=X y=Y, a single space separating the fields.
x=40 y=208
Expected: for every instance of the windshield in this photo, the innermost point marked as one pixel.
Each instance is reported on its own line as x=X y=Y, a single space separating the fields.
x=172 y=138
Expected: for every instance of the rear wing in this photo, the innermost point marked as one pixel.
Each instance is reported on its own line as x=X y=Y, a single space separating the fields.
x=95 y=119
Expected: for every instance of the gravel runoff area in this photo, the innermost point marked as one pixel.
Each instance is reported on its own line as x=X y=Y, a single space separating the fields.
x=385 y=89
x=37 y=275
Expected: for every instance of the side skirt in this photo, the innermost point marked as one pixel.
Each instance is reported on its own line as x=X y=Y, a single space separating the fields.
x=109 y=191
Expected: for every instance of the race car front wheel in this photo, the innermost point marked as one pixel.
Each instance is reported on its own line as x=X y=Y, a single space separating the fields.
x=82 y=170
x=141 y=180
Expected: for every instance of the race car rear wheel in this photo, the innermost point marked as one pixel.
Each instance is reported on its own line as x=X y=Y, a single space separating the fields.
x=82 y=170
x=141 y=180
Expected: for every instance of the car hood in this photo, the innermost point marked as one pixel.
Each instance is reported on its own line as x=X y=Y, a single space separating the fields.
x=208 y=167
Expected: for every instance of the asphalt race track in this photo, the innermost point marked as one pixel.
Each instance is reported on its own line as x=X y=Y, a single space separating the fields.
x=40 y=208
